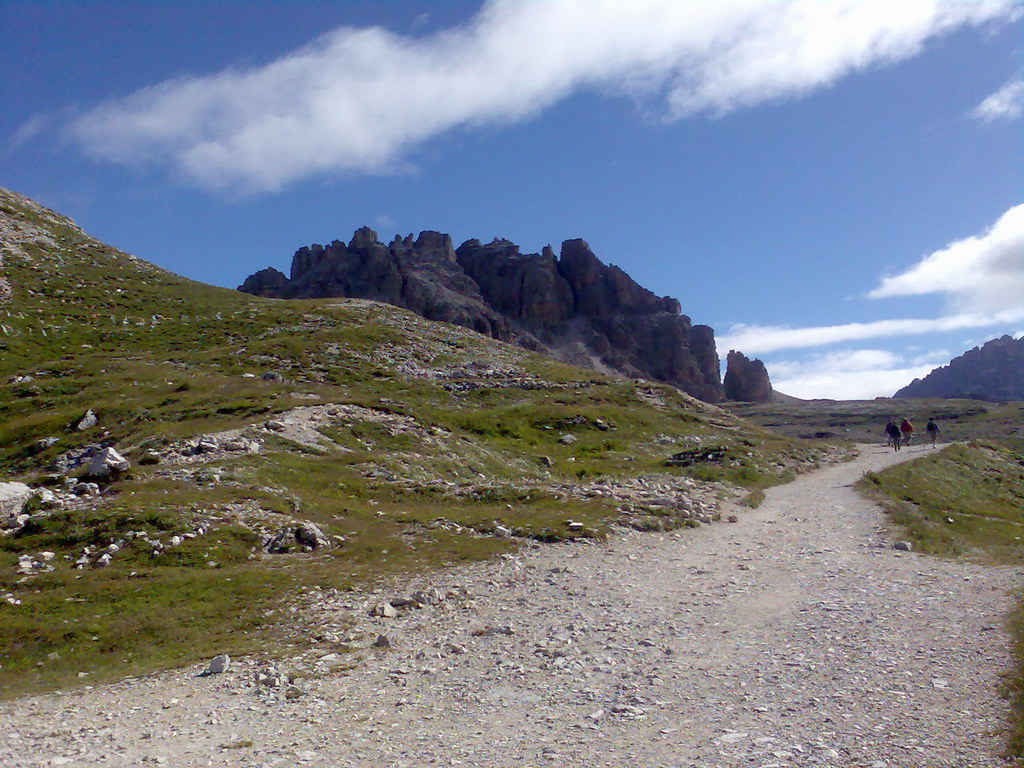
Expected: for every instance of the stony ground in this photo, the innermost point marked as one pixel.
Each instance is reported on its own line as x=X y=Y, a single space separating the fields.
x=795 y=637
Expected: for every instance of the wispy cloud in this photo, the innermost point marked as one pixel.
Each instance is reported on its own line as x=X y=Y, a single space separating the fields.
x=852 y=374
x=29 y=130
x=984 y=273
x=1005 y=104
x=982 y=278
x=356 y=100
x=760 y=339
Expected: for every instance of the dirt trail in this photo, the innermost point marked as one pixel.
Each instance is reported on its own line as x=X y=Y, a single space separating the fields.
x=795 y=637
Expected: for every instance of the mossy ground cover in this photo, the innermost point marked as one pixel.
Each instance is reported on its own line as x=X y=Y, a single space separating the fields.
x=161 y=359
x=965 y=501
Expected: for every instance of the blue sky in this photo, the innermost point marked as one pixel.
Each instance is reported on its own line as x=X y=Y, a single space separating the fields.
x=834 y=185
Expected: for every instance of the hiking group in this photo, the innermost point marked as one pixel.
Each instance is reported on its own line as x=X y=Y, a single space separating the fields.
x=898 y=435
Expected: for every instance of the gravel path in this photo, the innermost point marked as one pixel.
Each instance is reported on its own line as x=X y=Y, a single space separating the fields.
x=795 y=637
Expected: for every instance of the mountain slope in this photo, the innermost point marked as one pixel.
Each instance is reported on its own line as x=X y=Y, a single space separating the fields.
x=994 y=371
x=274 y=446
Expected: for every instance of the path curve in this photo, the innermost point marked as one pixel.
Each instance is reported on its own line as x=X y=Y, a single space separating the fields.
x=794 y=637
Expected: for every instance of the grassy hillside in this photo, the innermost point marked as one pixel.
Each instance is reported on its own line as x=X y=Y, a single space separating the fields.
x=966 y=500
x=410 y=444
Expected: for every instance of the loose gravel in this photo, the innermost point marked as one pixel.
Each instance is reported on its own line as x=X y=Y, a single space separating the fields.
x=796 y=636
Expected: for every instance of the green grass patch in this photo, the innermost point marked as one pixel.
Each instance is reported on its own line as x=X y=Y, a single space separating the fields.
x=754 y=499
x=109 y=624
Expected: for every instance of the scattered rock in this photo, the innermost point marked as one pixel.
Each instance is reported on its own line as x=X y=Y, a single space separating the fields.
x=903 y=546
x=311 y=536
x=714 y=455
x=384 y=611
x=88 y=421
x=271 y=677
x=491 y=629
x=107 y=464
x=39 y=446
x=219 y=664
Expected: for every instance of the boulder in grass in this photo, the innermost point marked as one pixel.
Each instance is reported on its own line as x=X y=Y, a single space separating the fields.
x=13 y=497
x=88 y=421
x=311 y=536
x=107 y=464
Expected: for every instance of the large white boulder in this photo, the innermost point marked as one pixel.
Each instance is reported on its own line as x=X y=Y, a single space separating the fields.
x=107 y=463
x=12 y=498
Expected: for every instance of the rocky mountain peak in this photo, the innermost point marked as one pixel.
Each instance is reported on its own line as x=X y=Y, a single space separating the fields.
x=746 y=380
x=994 y=371
x=364 y=237
x=574 y=306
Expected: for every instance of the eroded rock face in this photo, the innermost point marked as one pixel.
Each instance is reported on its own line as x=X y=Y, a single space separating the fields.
x=746 y=380
x=267 y=282
x=994 y=371
x=573 y=306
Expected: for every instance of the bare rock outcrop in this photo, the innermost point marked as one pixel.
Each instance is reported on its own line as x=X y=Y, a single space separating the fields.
x=267 y=283
x=572 y=306
x=746 y=380
x=994 y=371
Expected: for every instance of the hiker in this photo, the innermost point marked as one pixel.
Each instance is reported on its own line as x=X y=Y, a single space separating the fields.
x=892 y=432
x=907 y=430
x=933 y=430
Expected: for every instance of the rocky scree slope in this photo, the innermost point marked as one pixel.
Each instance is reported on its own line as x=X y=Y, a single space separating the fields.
x=994 y=371
x=181 y=457
x=573 y=306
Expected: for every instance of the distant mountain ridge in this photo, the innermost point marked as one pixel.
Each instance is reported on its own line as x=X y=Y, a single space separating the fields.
x=573 y=306
x=994 y=371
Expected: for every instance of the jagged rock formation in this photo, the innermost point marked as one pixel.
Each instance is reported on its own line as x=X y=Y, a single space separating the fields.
x=994 y=371
x=746 y=380
x=577 y=308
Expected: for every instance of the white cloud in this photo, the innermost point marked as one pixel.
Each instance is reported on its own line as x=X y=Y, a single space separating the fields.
x=929 y=359
x=356 y=100
x=760 y=339
x=1005 y=104
x=857 y=374
x=982 y=274
x=29 y=130
x=982 y=278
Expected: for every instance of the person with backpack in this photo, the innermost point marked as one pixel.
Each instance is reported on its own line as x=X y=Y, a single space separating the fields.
x=892 y=432
x=906 y=430
x=933 y=430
